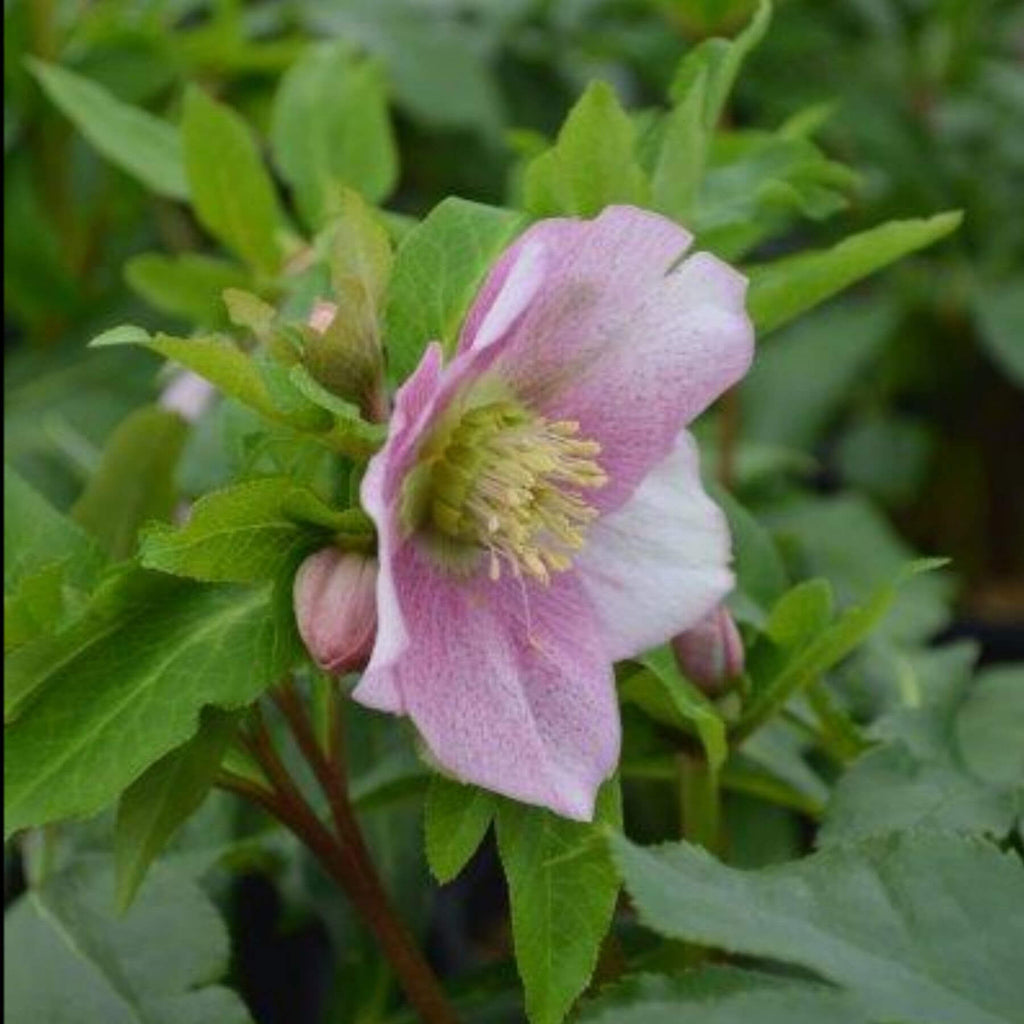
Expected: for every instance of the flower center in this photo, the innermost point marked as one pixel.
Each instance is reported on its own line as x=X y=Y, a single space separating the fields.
x=509 y=481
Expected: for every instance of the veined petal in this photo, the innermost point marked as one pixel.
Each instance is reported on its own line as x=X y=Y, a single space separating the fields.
x=621 y=336
x=660 y=563
x=508 y=683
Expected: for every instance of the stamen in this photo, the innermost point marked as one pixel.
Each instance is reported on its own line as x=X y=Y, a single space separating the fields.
x=509 y=482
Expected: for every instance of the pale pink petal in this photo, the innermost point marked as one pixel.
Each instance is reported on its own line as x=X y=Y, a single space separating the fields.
x=660 y=563
x=621 y=337
x=510 y=294
x=507 y=683
x=189 y=395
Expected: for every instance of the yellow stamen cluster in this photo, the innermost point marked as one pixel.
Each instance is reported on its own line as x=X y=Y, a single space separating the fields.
x=509 y=482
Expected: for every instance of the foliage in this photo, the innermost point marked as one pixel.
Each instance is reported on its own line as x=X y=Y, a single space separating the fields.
x=188 y=182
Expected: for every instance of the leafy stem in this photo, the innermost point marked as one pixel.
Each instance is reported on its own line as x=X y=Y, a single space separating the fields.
x=342 y=853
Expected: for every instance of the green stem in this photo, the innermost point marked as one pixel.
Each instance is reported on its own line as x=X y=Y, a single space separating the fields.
x=699 y=803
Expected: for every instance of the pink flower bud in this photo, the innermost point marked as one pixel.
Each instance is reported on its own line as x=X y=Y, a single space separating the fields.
x=711 y=653
x=336 y=608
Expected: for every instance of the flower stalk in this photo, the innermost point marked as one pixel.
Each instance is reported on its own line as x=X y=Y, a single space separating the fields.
x=342 y=853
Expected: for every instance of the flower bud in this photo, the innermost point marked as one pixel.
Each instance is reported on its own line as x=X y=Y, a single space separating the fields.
x=336 y=608
x=343 y=354
x=711 y=652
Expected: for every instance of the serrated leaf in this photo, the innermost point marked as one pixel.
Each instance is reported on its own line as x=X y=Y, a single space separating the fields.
x=721 y=995
x=825 y=649
x=36 y=535
x=157 y=803
x=917 y=926
x=143 y=145
x=456 y=819
x=591 y=164
x=330 y=127
x=189 y=286
x=718 y=61
x=134 y=483
x=124 y=685
x=71 y=959
x=562 y=889
x=438 y=268
x=921 y=774
x=782 y=290
x=232 y=194
x=682 y=154
x=247 y=532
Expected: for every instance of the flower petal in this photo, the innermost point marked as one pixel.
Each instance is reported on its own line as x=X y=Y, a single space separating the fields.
x=658 y=564
x=507 y=683
x=618 y=337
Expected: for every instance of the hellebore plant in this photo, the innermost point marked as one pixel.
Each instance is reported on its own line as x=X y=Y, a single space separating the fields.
x=538 y=502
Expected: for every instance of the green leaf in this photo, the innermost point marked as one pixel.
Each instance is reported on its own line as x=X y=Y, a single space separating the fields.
x=915 y=925
x=139 y=143
x=124 y=685
x=782 y=290
x=760 y=573
x=592 y=163
x=824 y=650
x=189 y=286
x=36 y=535
x=232 y=194
x=801 y=613
x=153 y=807
x=330 y=127
x=669 y=697
x=990 y=723
x=718 y=62
x=721 y=995
x=922 y=773
x=134 y=483
x=438 y=268
x=248 y=532
x=71 y=959
x=562 y=887
x=682 y=155
x=456 y=819
x=999 y=310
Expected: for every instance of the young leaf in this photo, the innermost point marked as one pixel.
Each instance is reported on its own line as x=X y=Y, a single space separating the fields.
x=562 y=887
x=682 y=155
x=71 y=958
x=247 y=532
x=330 y=127
x=592 y=163
x=146 y=147
x=456 y=819
x=153 y=807
x=722 y=995
x=189 y=286
x=112 y=693
x=36 y=535
x=824 y=650
x=135 y=480
x=437 y=270
x=232 y=194
x=915 y=925
x=718 y=62
x=782 y=290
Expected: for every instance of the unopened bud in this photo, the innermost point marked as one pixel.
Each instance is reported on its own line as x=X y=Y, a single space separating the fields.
x=711 y=652
x=336 y=608
x=344 y=355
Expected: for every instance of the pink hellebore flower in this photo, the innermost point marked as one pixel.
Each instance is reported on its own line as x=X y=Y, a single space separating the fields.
x=538 y=505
